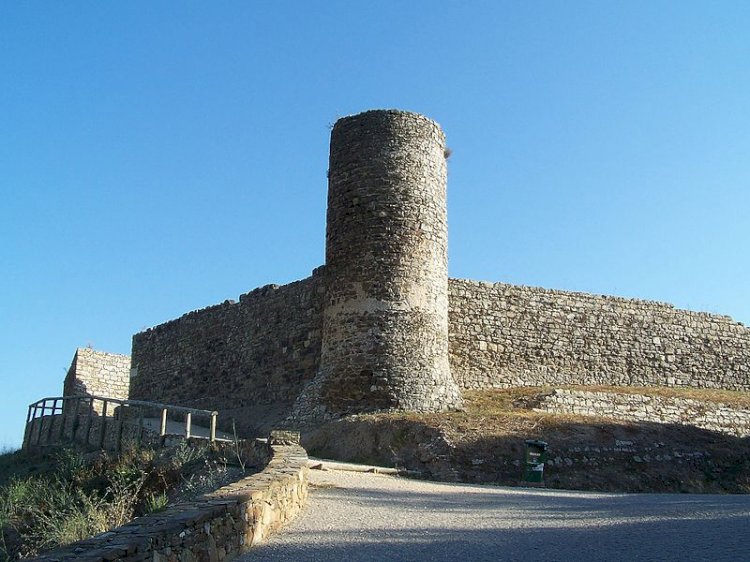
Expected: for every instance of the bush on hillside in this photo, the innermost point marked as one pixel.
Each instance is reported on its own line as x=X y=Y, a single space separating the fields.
x=52 y=500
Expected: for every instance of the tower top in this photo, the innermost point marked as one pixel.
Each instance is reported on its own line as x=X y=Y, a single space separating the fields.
x=383 y=116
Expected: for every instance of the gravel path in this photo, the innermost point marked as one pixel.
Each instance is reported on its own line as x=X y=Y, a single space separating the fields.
x=357 y=517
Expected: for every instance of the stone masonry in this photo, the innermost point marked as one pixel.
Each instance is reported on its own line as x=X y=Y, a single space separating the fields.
x=508 y=336
x=248 y=359
x=714 y=416
x=385 y=315
x=96 y=373
x=381 y=327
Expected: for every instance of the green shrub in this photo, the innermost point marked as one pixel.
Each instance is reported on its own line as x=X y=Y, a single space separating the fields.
x=185 y=454
x=51 y=500
x=156 y=503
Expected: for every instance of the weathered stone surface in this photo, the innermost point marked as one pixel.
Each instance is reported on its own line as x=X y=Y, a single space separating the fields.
x=381 y=326
x=248 y=360
x=505 y=335
x=385 y=317
x=97 y=373
x=714 y=416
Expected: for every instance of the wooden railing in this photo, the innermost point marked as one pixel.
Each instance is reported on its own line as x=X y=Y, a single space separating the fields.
x=50 y=419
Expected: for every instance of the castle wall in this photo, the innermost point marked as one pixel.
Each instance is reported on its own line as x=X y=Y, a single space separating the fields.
x=381 y=327
x=248 y=359
x=505 y=335
x=97 y=373
x=251 y=360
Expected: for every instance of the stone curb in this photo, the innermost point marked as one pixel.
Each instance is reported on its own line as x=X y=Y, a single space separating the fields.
x=216 y=527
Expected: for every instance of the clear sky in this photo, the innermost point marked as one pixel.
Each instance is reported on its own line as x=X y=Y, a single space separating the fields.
x=158 y=157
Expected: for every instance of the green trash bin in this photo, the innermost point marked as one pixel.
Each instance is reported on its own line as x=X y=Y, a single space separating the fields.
x=535 y=457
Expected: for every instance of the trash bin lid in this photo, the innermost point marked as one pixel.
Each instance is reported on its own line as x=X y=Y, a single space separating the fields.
x=536 y=443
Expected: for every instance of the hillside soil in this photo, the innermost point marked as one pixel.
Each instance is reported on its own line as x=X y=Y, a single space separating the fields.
x=485 y=444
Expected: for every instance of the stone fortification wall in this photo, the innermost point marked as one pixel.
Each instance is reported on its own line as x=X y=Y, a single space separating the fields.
x=96 y=373
x=380 y=327
x=714 y=416
x=385 y=330
x=505 y=335
x=251 y=360
x=235 y=357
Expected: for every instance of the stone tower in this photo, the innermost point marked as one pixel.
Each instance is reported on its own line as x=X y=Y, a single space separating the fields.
x=385 y=320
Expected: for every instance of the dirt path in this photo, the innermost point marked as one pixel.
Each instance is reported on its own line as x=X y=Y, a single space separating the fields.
x=370 y=517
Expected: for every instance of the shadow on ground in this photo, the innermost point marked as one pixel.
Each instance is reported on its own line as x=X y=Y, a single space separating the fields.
x=590 y=454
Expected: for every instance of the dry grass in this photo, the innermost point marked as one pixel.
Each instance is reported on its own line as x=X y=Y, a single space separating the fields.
x=52 y=500
x=490 y=402
x=502 y=412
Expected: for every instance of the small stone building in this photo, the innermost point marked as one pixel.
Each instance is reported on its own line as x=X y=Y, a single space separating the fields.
x=97 y=373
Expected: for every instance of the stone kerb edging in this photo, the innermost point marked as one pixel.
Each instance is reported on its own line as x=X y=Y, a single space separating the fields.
x=217 y=526
x=714 y=416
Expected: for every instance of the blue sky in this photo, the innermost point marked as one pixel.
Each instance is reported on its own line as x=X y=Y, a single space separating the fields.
x=161 y=157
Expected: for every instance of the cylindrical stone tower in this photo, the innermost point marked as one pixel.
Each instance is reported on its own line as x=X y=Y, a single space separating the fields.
x=385 y=323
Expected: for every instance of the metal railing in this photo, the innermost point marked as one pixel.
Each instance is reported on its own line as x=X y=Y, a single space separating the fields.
x=102 y=411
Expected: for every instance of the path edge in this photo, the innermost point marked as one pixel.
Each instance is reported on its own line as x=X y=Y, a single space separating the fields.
x=217 y=526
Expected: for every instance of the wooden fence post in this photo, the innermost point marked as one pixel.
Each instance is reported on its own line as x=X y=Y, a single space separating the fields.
x=51 y=421
x=163 y=428
x=118 y=441
x=27 y=430
x=103 y=430
x=65 y=416
x=89 y=421
x=37 y=422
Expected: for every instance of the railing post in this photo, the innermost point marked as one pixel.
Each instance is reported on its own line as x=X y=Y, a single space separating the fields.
x=27 y=430
x=51 y=422
x=140 y=426
x=103 y=431
x=89 y=420
x=163 y=428
x=118 y=441
x=188 y=423
x=212 y=432
x=63 y=420
x=37 y=422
